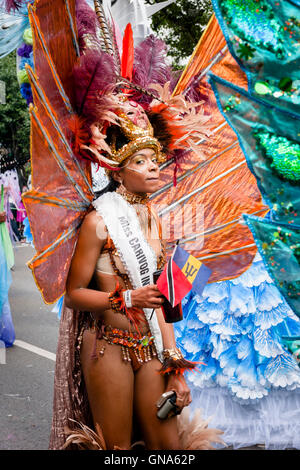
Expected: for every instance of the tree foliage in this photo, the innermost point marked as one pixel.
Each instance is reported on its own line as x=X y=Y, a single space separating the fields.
x=181 y=25
x=15 y=121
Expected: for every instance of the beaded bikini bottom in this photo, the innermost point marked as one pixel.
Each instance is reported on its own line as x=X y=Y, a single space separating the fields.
x=135 y=349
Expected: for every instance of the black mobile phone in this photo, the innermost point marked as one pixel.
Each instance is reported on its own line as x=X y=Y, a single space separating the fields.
x=166 y=405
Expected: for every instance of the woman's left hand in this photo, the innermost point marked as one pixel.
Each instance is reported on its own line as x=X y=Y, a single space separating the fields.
x=178 y=384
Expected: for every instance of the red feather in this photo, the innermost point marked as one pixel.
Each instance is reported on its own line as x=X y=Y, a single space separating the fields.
x=80 y=133
x=127 y=53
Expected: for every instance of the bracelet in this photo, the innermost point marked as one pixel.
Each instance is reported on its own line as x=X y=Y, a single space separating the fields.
x=118 y=305
x=127 y=298
x=174 y=362
x=173 y=353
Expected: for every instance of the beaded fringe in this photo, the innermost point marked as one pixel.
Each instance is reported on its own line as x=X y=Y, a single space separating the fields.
x=142 y=355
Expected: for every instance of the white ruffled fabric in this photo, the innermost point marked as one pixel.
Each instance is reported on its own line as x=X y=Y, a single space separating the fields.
x=273 y=421
x=248 y=380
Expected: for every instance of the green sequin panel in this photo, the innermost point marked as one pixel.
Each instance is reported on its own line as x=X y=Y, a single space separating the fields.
x=279 y=247
x=256 y=24
x=283 y=89
x=264 y=36
x=284 y=154
x=270 y=140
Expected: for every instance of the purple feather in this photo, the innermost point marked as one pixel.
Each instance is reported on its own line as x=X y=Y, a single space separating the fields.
x=12 y=5
x=93 y=78
x=150 y=65
x=180 y=155
x=86 y=20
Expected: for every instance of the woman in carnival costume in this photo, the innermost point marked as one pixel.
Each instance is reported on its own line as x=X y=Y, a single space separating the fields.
x=125 y=353
x=100 y=131
x=112 y=332
x=121 y=342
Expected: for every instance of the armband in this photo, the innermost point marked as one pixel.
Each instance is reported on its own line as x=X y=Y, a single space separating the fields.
x=175 y=363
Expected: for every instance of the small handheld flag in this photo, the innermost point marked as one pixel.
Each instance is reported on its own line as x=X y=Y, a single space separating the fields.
x=182 y=273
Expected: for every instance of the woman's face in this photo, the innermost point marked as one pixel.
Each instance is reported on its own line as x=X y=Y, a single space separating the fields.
x=140 y=174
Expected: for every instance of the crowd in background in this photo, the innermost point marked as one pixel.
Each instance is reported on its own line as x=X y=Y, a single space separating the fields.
x=12 y=216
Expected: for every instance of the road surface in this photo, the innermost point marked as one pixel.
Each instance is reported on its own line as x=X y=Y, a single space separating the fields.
x=26 y=385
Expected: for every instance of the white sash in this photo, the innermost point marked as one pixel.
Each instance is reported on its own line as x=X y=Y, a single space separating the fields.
x=135 y=252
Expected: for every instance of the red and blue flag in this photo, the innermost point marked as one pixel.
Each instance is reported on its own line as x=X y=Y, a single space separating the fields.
x=182 y=273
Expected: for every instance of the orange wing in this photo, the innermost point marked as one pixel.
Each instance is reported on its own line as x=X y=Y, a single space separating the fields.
x=205 y=209
x=61 y=185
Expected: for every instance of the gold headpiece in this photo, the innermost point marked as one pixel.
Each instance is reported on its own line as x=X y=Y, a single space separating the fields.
x=139 y=138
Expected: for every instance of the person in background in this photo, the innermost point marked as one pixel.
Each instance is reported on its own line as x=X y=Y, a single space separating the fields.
x=7 y=331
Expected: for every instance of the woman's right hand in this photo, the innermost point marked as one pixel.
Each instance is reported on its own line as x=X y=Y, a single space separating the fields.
x=147 y=297
x=2 y=217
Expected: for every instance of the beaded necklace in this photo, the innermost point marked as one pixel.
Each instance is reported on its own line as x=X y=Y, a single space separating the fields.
x=132 y=198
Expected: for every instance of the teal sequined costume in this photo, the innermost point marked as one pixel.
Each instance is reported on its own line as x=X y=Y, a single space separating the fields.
x=266 y=119
x=247 y=331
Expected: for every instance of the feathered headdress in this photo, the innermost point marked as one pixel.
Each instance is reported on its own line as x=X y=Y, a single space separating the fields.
x=105 y=77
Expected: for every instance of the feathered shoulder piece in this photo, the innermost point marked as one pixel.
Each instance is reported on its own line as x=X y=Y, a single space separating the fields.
x=181 y=121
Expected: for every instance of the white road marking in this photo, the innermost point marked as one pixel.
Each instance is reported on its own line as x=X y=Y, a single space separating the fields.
x=35 y=349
